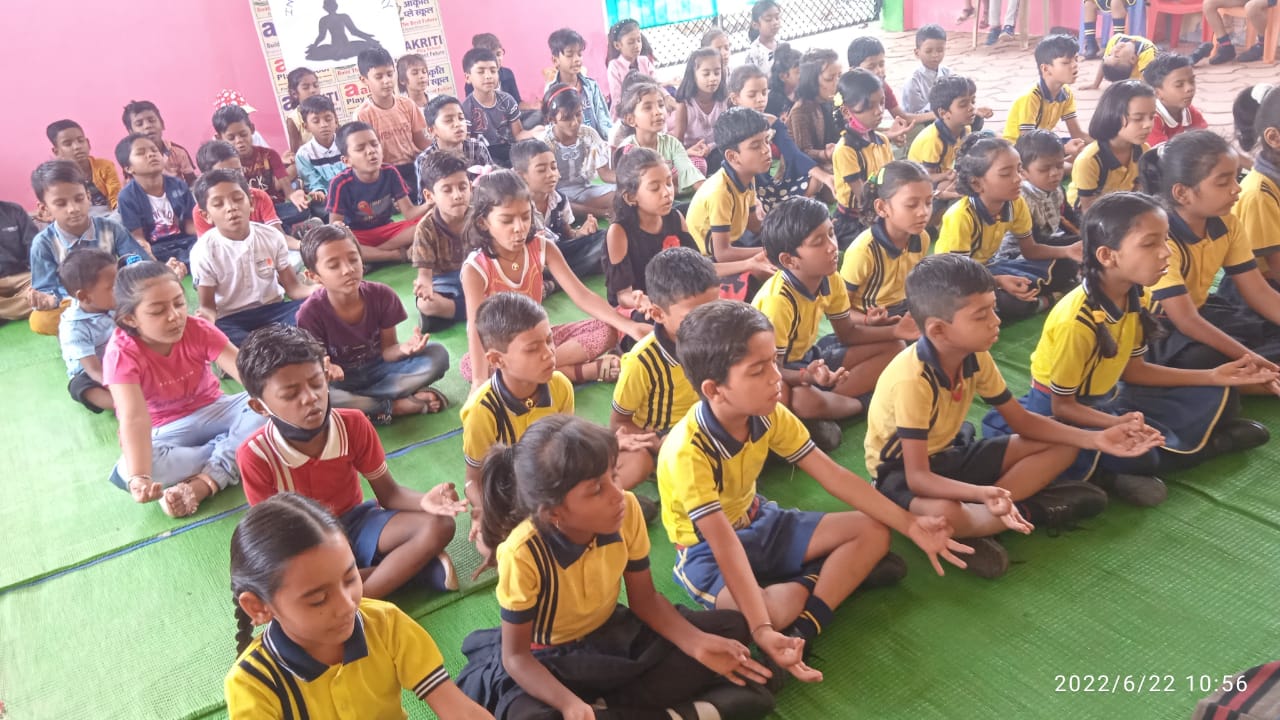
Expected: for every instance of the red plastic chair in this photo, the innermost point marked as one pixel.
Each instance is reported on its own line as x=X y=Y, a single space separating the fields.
x=1175 y=9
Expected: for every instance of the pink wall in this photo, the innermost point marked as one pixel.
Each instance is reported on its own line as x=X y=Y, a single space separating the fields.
x=917 y=13
x=524 y=35
x=208 y=45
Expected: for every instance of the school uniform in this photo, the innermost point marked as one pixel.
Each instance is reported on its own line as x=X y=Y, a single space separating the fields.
x=935 y=147
x=969 y=228
x=703 y=470
x=1068 y=362
x=725 y=203
x=1144 y=52
x=387 y=652
x=1195 y=262
x=795 y=313
x=652 y=389
x=493 y=415
x=874 y=270
x=1258 y=210
x=857 y=158
x=1038 y=108
x=568 y=593
x=915 y=399
x=1098 y=171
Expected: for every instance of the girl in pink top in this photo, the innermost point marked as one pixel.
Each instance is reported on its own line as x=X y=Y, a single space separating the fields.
x=703 y=95
x=178 y=431
x=511 y=257
x=628 y=50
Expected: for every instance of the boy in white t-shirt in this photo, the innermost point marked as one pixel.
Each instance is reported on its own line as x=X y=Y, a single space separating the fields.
x=241 y=268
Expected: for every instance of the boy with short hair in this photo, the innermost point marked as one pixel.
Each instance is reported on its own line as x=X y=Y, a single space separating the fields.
x=370 y=369
x=952 y=99
x=918 y=444
x=320 y=452
x=319 y=159
x=1052 y=99
x=241 y=268
x=262 y=166
x=494 y=116
x=447 y=124
x=1125 y=57
x=824 y=378
x=365 y=195
x=16 y=233
x=399 y=124
x=652 y=392
x=931 y=48
x=724 y=207
x=1174 y=80
x=567 y=50
x=506 y=78
x=730 y=541
x=222 y=155
x=1053 y=221
x=439 y=247
x=60 y=191
x=867 y=52
x=582 y=247
x=142 y=117
x=155 y=207
x=84 y=329
x=524 y=388
x=103 y=185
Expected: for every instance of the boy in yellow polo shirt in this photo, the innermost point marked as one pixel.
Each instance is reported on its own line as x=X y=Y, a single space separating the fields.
x=824 y=378
x=1051 y=101
x=953 y=101
x=918 y=444
x=652 y=392
x=1125 y=58
x=525 y=387
x=734 y=548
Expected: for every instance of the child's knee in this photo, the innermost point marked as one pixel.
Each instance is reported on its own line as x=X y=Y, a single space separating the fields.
x=436 y=529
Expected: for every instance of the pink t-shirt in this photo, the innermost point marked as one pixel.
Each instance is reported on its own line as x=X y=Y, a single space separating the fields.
x=395 y=128
x=175 y=385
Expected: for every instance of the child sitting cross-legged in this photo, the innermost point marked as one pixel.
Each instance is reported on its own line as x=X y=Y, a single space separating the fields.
x=355 y=319
x=262 y=166
x=365 y=196
x=785 y=570
x=582 y=246
x=581 y=153
x=309 y=448
x=568 y=537
x=399 y=123
x=935 y=147
x=439 y=249
x=89 y=275
x=319 y=159
x=155 y=207
x=824 y=378
x=924 y=456
x=241 y=269
x=447 y=125
x=493 y=115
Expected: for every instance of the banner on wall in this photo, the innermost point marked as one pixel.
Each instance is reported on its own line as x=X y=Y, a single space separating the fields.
x=326 y=36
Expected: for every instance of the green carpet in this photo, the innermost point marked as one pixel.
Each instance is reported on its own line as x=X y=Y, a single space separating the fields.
x=112 y=610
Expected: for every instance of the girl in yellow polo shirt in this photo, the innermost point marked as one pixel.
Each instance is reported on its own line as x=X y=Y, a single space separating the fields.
x=1119 y=128
x=1194 y=175
x=326 y=652
x=568 y=537
x=1089 y=368
x=1259 y=205
x=861 y=152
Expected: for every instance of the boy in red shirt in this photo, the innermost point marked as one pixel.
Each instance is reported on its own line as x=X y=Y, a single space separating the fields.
x=1174 y=80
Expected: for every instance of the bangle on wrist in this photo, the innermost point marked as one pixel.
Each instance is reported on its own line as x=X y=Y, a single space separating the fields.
x=757 y=628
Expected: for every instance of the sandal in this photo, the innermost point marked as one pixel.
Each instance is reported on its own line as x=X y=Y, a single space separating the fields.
x=431 y=395
x=180 y=500
x=604 y=372
x=965 y=14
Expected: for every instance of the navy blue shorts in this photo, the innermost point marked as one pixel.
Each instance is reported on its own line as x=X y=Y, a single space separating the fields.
x=775 y=543
x=977 y=462
x=829 y=350
x=363 y=525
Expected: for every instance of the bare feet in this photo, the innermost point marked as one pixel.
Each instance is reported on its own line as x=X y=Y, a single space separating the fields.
x=143 y=490
x=184 y=499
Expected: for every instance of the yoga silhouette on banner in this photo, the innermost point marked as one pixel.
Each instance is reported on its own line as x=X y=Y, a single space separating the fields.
x=336 y=25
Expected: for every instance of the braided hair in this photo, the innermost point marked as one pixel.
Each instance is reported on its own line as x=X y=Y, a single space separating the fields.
x=1106 y=224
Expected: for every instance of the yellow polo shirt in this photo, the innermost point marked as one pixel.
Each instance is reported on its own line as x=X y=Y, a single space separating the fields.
x=795 y=312
x=1037 y=108
x=875 y=270
x=652 y=388
x=1067 y=359
x=969 y=228
x=722 y=204
x=1258 y=211
x=1196 y=260
x=493 y=415
x=1098 y=171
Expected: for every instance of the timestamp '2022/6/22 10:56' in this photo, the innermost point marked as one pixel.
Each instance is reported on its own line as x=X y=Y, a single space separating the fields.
x=1134 y=683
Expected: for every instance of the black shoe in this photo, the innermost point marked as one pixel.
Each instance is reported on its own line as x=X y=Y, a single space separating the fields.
x=1091 y=49
x=887 y=573
x=1226 y=53
x=1059 y=507
x=989 y=559
x=732 y=701
x=1136 y=490
x=1239 y=434
x=1202 y=52
x=826 y=434
x=1253 y=54
x=648 y=508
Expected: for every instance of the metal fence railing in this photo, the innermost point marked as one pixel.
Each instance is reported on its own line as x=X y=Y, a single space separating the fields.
x=675 y=29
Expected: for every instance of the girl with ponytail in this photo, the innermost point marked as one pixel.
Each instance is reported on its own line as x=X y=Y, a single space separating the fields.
x=567 y=538
x=1089 y=368
x=292 y=570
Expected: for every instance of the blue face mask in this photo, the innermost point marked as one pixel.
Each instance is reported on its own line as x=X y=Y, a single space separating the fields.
x=293 y=433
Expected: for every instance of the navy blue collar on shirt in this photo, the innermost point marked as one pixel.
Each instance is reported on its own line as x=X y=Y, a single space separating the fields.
x=944 y=134
x=824 y=287
x=293 y=658
x=1267 y=169
x=733 y=177
x=1006 y=211
x=1114 y=314
x=666 y=345
x=881 y=235
x=541 y=396
x=1044 y=92
x=1109 y=159
x=1179 y=229
x=567 y=552
x=929 y=356
x=727 y=444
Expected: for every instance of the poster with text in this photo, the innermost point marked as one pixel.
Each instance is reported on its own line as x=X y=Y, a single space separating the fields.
x=289 y=32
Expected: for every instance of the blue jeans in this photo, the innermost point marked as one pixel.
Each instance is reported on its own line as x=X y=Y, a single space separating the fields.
x=238 y=325
x=373 y=388
x=203 y=442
